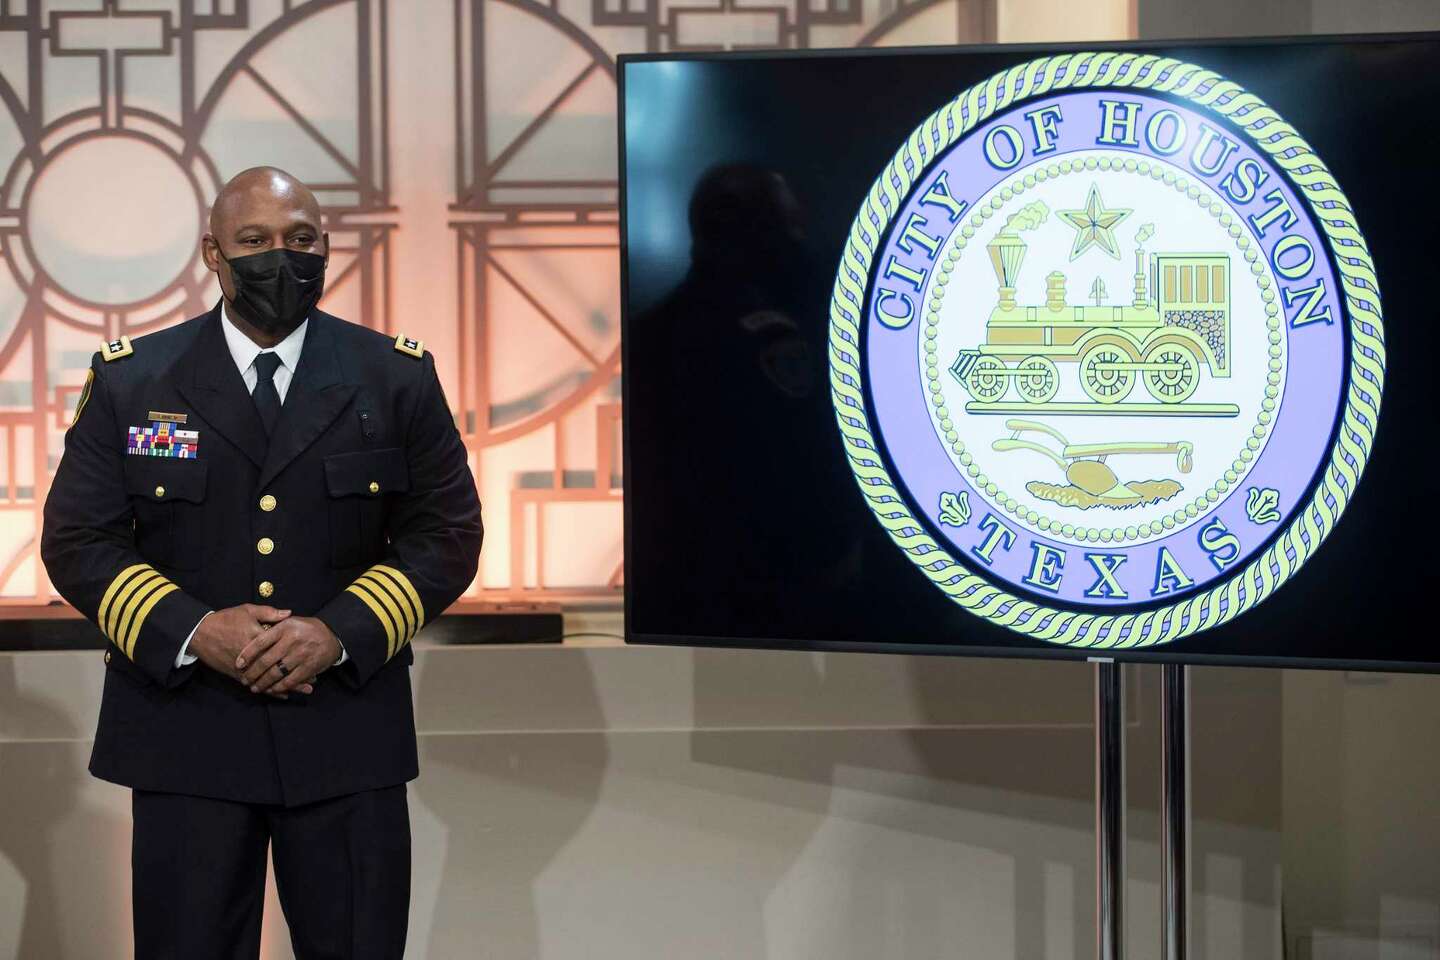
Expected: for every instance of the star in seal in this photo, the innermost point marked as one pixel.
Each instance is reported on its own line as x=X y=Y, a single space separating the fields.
x=1094 y=225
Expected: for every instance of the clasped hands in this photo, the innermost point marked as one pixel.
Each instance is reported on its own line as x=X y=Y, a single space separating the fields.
x=266 y=649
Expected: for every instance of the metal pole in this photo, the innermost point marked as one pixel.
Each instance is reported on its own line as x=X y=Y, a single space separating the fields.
x=1175 y=811
x=1109 y=810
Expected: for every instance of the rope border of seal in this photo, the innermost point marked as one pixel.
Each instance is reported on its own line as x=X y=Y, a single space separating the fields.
x=1312 y=522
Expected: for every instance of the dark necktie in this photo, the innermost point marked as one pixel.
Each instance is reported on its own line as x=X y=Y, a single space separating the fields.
x=267 y=398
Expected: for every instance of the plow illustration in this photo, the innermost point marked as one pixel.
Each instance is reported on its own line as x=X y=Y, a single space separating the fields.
x=1089 y=480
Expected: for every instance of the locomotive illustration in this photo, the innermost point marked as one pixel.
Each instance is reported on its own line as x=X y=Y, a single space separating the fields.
x=1176 y=326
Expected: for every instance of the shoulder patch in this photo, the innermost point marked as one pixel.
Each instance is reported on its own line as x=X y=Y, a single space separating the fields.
x=84 y=396
x=115 y=349
x=404 y=344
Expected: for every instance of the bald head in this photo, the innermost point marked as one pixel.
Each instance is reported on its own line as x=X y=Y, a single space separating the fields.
x=261 y=189
x=261 y=209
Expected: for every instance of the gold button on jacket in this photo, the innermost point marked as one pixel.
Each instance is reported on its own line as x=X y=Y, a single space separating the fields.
x=266 y=546
x=266 y=589
x=268 y=503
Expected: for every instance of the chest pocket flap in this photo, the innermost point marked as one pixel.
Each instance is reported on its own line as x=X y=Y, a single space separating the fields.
x=367 y=473
x=358 y=484
x=168 y=497
x=165 y=480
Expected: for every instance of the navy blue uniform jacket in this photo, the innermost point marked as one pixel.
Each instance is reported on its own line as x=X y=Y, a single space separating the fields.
x=373 y=525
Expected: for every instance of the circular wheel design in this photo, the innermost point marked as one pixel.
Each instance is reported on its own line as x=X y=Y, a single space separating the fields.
x=1101 y=380
x=1178 y=381
x=1039 y=379
x=987 y=380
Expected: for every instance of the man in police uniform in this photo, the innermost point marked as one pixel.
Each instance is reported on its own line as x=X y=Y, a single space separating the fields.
x=259 y=508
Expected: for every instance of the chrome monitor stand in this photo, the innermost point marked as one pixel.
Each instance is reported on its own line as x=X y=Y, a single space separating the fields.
x=1110 y=810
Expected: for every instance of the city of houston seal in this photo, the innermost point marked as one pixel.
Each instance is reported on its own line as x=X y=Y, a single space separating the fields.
x=1106 y=349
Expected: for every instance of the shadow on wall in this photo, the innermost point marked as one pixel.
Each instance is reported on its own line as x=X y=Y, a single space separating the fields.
x=47 y=829
x=1236 y=801
x=500 y=806
x=989 y=796
x=36 y=799
x=992 y=767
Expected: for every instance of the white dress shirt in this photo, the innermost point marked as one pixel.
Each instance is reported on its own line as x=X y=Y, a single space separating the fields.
x=243 y=351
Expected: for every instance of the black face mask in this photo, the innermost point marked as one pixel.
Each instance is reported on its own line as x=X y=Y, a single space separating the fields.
x=276 y=290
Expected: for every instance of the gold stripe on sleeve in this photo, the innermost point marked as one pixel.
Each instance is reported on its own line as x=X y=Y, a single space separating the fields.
x=139 y=583
x=409 y=589
x=102 y=614
x=401 y=607
x=138 y=620
x=364 y=594
x=126 y=608
x=391 y=605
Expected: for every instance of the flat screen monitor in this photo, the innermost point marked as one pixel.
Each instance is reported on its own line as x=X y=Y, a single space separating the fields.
x=1115 y=351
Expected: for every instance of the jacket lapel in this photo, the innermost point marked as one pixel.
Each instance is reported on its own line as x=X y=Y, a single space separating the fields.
x=206 y=377
x=317 y=395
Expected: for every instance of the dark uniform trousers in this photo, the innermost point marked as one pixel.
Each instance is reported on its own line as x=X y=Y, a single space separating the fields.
x=360 y=510
x=342 y=869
